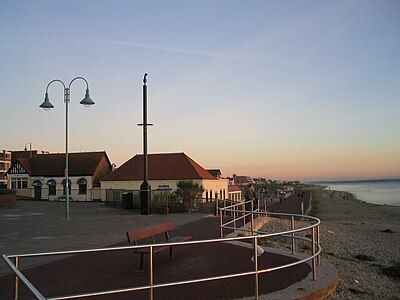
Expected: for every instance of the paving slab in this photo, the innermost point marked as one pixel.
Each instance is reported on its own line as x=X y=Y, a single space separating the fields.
x=112 y=270
x=40 y=226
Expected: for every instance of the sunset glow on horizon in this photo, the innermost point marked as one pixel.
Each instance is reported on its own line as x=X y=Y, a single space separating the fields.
x=282 y=90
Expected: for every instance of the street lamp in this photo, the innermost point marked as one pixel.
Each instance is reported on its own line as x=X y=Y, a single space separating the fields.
x=46 y=105
x=30 y=148
x=145 y=188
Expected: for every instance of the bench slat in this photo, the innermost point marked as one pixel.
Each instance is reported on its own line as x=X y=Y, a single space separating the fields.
x=134 y=236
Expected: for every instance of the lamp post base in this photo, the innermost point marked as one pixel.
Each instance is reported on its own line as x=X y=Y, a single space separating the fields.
x=145 y=198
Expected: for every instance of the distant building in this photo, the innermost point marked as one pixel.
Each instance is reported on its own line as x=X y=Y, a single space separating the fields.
x=5 y=162
x=235 y=192
x=242 y=180
x=215 y=172
x=260 y=180
x=164 y=171
x=42 y=175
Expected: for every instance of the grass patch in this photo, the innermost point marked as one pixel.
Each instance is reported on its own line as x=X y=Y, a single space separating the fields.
x=364 y=257
x=392 y=271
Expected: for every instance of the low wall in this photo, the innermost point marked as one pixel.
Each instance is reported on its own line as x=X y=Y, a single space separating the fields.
x=7 y=198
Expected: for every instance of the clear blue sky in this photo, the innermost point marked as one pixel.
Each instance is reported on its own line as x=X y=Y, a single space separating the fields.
x=296 y=89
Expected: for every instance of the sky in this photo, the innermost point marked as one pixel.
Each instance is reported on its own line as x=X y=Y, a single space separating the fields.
x=306 y=90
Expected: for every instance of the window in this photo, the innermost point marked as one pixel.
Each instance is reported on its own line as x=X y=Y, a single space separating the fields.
x=52 y=187
x=82 y=183
x=69 y=190
x=82 y=189
x=52 y=190
x=69 y=187
x=19 y=183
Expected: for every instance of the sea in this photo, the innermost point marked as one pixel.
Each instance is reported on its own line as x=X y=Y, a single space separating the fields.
x=382 y=191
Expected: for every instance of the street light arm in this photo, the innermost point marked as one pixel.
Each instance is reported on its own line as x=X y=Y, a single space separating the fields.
x=55 y=80
x=87 y=84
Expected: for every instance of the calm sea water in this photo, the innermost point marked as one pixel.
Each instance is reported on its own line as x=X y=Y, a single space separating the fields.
x=372 y=191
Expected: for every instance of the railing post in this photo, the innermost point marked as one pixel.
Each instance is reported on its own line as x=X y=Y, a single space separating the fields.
x=216 y=207
x=318 y=257
x=151 y=272
x=224 y=207
x=252 y=217
x=314 y=260
x=244 y=214
x=234 y=218
x=221 y=229
x=292 y=234
x=16 y=280
x=255 y=243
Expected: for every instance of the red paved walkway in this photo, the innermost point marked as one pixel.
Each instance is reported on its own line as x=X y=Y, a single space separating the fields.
x=112 y=270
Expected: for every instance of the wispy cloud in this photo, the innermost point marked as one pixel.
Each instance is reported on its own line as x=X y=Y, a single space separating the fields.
x=167 y=49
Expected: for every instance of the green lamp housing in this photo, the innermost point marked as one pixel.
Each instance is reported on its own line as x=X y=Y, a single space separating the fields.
x=87 y=102
x=46 y=105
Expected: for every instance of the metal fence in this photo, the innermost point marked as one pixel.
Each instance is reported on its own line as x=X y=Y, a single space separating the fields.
x=163 y=201
x=236 y=211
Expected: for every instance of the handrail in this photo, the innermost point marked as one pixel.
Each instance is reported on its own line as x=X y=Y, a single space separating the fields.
x=255 y=235
x=21 y=276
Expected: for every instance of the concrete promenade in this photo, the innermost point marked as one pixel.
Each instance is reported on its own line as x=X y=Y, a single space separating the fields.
x=39 y=226
x=30 y=227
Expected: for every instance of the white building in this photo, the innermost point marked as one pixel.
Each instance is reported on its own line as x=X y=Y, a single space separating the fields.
x=42 y=176
x=164 y=171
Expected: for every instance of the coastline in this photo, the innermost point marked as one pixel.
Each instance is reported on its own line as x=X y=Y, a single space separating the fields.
x=362 y=240
x=376 y=194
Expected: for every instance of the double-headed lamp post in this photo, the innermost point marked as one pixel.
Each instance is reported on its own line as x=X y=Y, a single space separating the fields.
x=46 y=105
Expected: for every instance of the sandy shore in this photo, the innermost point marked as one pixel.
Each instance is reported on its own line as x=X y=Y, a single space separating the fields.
x=363 y=242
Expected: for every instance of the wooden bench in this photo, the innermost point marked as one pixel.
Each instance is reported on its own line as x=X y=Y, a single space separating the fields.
x=154 y=232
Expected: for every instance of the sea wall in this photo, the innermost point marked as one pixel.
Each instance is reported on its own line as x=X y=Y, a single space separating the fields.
x=7 y=197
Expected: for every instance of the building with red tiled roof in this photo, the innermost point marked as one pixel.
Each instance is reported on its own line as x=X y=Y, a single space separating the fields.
x=42 y=175
x=164 y=171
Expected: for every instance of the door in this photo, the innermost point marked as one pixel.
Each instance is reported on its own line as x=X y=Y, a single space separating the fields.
x=38 y=192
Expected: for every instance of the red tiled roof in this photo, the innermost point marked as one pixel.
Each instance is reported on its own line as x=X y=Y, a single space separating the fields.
x=161 y=166
x=53 y=164
x=25 y=163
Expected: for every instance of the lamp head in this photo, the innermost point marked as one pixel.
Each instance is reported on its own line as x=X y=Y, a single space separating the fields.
x=87 y=102
x=46 y=105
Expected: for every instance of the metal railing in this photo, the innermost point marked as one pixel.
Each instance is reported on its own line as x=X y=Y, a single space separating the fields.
x=233 y=211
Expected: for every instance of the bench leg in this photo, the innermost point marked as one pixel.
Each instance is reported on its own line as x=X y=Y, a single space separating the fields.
x=170 y=252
